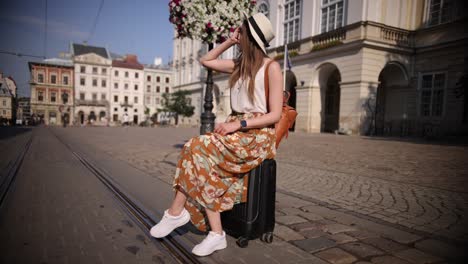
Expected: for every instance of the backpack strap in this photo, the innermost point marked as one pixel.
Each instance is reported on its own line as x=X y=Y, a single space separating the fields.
x=267 y=85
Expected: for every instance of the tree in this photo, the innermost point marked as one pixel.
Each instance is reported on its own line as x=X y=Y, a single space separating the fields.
x=177 y=103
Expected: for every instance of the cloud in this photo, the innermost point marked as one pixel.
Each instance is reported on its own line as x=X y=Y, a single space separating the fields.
x=53 y=27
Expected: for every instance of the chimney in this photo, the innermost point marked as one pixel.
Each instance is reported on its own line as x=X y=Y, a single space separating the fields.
x=132 y=58
x=157 y=61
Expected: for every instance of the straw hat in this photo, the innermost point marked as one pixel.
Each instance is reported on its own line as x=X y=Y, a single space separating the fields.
x=260 y=29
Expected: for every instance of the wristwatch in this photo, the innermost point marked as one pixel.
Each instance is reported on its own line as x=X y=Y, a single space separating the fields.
x=243 y=123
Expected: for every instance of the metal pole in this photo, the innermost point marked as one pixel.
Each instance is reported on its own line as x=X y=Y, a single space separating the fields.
x=207 y=117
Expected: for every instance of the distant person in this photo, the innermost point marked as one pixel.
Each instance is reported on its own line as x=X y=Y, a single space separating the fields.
x=236 y=146
x=125 y=119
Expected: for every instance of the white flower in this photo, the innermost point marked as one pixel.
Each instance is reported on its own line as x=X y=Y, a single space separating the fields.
x=222 y=14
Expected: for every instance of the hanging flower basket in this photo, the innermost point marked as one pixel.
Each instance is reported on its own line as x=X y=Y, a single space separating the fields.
x=208 y=20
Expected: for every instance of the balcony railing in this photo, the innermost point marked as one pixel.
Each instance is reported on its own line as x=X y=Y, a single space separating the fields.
x=126 y=104
x=329 y=37
x=395 y=36
x=92 y=102
x=360 y=31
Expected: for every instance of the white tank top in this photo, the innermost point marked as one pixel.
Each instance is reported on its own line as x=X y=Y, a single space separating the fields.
x=240 y=94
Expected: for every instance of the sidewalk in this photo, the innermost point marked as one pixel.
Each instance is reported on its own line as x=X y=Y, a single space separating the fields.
x=323 y=212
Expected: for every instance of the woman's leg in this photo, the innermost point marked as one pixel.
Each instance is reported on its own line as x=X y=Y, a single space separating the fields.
x=216 y=239
x=177 y=204
x=215 y=221
x=173 y=218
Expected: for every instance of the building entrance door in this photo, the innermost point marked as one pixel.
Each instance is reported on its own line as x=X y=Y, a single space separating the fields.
x=332 y=103
x=81 y=116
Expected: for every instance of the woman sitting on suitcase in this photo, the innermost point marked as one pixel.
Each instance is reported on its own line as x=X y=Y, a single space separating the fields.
x=208 y=175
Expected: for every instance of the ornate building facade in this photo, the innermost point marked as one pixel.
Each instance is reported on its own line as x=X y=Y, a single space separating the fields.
x=92 y=66
x=52 y=90
x=6 y=103
x=8 y=98
x=127 y=90
x=363 y=67
x=158 y=80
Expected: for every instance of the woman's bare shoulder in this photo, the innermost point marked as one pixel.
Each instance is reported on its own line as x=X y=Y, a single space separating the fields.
x=274 y=65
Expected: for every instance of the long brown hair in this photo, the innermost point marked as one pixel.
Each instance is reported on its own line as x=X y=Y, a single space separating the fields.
x=248 y=62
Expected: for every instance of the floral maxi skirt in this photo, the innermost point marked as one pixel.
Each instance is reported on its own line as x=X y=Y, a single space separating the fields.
x=212 y=169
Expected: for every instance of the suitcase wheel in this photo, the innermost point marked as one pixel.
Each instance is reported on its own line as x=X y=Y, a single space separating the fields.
x=242 y=242
x=267 y=237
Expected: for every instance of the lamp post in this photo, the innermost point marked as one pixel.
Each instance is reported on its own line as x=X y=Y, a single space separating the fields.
x=207 y=117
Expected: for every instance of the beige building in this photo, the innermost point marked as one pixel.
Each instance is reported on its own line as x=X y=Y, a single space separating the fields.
x=23 y=112
x=9 y=83
x=368 y=67
x=6 y=99
x=159 y=79
x=52 y=90
x=127 y=90
x=92 y=67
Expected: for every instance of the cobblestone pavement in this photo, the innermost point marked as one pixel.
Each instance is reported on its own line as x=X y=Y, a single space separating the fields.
x=351 y=198
x=411 y=183
x=58 y=212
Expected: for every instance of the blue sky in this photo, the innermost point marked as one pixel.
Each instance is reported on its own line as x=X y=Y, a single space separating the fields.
x=138 y=27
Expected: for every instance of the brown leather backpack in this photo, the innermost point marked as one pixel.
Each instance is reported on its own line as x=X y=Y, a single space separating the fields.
x=288 y=114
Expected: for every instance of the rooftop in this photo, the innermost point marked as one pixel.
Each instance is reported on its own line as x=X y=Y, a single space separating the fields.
x=129 y=61
x=80 y=49
x=4 y=91
x=158 y=67
x=52 y=62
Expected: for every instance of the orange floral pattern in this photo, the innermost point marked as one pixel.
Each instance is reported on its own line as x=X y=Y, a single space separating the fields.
x=210 y=168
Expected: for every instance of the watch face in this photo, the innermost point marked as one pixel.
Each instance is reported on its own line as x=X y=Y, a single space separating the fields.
x=243 y=123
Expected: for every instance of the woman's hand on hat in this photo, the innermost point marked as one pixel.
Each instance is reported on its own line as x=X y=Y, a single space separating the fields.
x=235 y=36
x=227 y=128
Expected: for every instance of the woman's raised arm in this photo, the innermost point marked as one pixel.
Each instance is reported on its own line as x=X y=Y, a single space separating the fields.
x=210 y=60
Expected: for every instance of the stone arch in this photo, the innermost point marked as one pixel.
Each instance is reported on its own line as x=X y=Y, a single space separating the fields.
x=327 y=79
x=398 y=70
x=391 y=105
x=81 y=117
x=102 y=115
x=92 y=116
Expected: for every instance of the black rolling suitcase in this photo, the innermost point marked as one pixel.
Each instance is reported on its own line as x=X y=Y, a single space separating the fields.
x=256 y=217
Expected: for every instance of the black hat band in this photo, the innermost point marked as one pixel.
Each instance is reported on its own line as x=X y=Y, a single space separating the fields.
x=258 y=31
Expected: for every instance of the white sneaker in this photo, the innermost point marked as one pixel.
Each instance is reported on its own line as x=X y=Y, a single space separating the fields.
x=210 y=244
x=168 y=223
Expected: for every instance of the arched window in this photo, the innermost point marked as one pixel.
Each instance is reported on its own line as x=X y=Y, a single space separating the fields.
x=264 y=8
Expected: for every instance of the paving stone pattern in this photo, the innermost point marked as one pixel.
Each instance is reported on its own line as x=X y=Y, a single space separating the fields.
x=414 y=185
